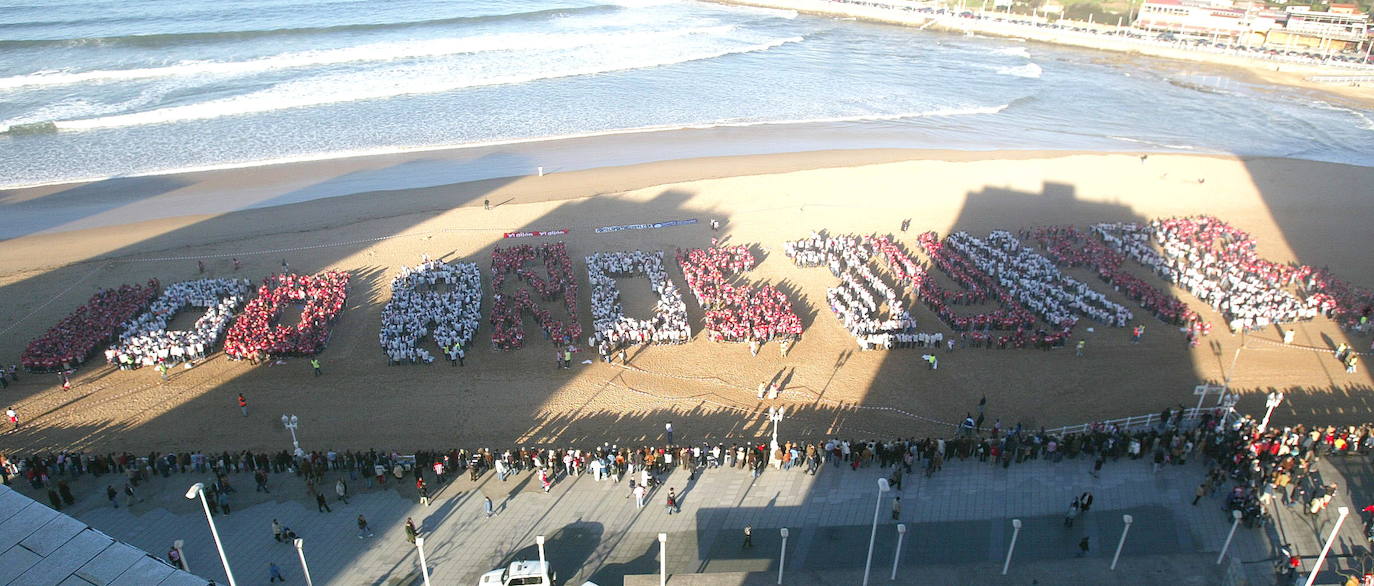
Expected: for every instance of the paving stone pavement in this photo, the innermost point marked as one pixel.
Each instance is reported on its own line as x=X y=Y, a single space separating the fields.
x=959 y=526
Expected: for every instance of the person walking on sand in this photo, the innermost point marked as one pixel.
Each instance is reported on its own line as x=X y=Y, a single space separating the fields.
x=14 y=417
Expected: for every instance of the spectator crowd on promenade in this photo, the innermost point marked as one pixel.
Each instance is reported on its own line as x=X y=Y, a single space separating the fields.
x=436 y=299
x=1254 y=471
x=508 y=333
x=253 y=335
x=612 y=330
x=70 y=342
x=146 y=341
x=736 y=313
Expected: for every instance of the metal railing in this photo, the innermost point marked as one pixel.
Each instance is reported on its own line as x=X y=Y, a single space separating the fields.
x=1190 y=415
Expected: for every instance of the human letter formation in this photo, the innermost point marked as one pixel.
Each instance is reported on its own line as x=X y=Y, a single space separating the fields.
x=736 y=314
x=611 y=328
x=860 y=294
x=69 y=343
x=254 y=337
x=419 y=307
x=146 y=340
x=1217 y=263
x=1214 y=261
x=508 y=332
x=1069 y=247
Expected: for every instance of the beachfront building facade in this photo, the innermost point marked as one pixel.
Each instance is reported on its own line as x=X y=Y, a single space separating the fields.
x=1338 y=29
x=1251 y=24
x=1203 y=18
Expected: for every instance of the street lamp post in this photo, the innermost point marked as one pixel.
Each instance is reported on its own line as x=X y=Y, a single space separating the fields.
x=300 y=551
x=424 y=567
x=543 y=565
x=1015 y=531
x=1312 y=577
x=901 y=532
x=782 y=556
x=1272 y=401
x=662 y=559
x=198 y=489
x=1127 y=529
x=290 y=422
x=1225 y=546
x=873 y=537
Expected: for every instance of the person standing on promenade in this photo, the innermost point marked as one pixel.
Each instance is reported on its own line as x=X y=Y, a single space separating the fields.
x=315 y=364
x=243 y=405
x=668 y=427
x=363 y=528
x=748 y=536
x=1083 y=547
x=487 y=506
x=411 y=531
x=341 y=490
x=276 y=530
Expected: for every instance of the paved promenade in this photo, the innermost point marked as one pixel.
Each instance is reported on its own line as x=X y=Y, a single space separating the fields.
x=958 y=521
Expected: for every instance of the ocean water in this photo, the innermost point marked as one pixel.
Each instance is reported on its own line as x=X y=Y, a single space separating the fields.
x=97 y=89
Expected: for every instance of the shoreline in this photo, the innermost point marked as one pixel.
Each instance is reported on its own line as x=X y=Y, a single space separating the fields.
x=1272 y=72
x=69 y=206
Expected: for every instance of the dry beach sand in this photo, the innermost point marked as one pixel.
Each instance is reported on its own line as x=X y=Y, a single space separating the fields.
x=1314 y=213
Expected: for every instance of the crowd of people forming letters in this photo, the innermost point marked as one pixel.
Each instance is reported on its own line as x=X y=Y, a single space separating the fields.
x=612 y=330
x=1218 y=264
x=254 y=336
x=507 y=331
x=436 y=299
x=860 y=294
x=1036 y=303
x=69 y=343
x=736 y=313
x=146 y=341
